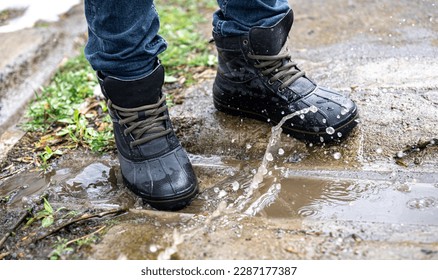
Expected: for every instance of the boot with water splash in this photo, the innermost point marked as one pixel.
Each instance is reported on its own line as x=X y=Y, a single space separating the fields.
x=257 y=78
x=153 y=163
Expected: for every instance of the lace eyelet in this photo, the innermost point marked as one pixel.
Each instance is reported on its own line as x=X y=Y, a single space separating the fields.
x=245 y=42
x=281 y=89
x=270 y=82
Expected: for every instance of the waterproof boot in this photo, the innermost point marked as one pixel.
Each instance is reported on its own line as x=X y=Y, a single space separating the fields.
x=257 y=78
x=153 y=163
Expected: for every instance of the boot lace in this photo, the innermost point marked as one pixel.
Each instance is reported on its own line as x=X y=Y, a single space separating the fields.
x=144 y=123
x=280 y=66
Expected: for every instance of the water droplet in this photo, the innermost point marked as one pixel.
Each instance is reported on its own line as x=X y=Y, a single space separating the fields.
x=337 y=155
x=269 y=157
x=153 y=248
x=338 y=116
x=313 y=109
x=282 y=112
x=379 y=150
x=221 y=194
x=321 y=139
x=248 y=146
x=302 y=116
x=330 y=130
x=233 y=140
x=268 y=120
x=339 y=134
x=344 y=111
x=324 y=120
x=216 y=189
x=280 y=151
x=235 y=185
x=400 y=154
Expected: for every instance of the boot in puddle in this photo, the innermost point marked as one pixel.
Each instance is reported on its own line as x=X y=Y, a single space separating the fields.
x=257 y=78
x=153 y=163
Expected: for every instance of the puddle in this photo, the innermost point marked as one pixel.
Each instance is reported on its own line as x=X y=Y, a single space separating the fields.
x=363 y=201
x=35 y=10
x=84 y=182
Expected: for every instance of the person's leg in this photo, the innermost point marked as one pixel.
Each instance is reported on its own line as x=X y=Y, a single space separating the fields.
x=123 y=47
x=257 y=78
x=237 y=17
x=123 y=37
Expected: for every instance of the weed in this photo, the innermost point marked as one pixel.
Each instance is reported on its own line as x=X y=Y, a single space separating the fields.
x=47 y=154
x=61 y=248
x=5 y=199
x=46 y=215
x=87 y=241
x=187 y=48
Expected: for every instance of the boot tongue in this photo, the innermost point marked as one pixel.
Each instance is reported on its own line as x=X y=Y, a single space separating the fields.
x=136 y=93
x=270 y=40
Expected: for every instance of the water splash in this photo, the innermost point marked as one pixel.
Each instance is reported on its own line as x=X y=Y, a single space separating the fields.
x=273 y=142
x=264 y=200
x=257 y=202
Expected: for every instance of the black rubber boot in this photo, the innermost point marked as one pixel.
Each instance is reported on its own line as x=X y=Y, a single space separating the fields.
x=256 y=78
x=153 y=163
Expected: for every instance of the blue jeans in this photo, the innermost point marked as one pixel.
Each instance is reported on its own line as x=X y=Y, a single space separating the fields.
x=123 y=35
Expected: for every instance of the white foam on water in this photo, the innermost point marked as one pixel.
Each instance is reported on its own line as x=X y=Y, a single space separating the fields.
x=46 y=10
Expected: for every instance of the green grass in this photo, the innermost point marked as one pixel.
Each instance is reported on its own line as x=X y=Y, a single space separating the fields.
x=186 y=48
x=57 y=113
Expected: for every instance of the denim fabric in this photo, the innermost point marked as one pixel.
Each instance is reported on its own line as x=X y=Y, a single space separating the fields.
x=236 y=17
x=123 y=38
x=123 y=35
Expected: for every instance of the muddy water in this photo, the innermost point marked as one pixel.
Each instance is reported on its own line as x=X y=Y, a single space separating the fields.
x=365 y=201
x=278 y=192
x=76 y=182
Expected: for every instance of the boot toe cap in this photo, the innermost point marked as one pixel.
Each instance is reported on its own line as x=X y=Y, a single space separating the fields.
x=334 y=119
x=164 y=182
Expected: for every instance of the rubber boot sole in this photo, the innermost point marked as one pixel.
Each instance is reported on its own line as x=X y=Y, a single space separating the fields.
x=171 y=204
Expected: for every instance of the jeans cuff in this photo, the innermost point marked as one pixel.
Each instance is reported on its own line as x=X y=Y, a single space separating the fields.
x=218 y=27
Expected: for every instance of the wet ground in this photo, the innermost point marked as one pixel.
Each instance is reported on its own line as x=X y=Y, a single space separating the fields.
x=374 y=196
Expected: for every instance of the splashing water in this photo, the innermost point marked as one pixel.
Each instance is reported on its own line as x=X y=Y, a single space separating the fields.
x=257 y=179
x=264 y=200
x=255 y=206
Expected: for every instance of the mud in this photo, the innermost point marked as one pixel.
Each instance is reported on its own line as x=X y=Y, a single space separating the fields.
x=365 y=198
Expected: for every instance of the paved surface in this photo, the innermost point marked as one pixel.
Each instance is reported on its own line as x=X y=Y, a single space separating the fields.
x=28 y=59
x=356 y=200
